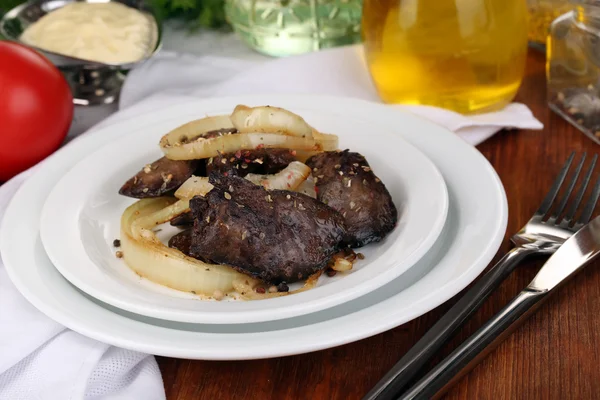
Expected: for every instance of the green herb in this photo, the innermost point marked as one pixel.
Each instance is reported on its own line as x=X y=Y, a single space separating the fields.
x=13 y=27
x=7 y=5
x=199 y=13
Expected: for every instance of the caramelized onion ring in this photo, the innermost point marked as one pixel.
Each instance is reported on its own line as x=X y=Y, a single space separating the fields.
x=289 y=178
x=144 y=253
x=197 y=128
x=206 y=148
x=326 y=141
x=247 y=288
x=308 y=187
x=194 y=186
x=341 y=265
x=268 y=119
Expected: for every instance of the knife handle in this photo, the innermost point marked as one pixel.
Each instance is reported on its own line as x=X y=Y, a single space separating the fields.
x=477 y=347
x=397 y=379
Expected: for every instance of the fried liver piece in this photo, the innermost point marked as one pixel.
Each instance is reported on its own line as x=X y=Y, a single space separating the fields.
x=345 y=182
x=182 y=241
x=244 y=162
x=184 y=220
x=276 y=236
x=158 y=178
x=165 y=175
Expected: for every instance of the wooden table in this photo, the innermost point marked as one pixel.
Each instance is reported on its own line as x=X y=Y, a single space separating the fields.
x=555 y=355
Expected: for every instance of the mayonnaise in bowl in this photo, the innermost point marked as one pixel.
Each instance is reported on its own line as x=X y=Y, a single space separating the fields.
x=110 y=32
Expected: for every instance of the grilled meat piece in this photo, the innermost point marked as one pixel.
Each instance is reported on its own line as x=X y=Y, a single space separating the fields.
x=201 y=165
x=346 y=183
x=276 y=236
x=182 y=241
x=158 y=178
x=185 y=220
x=165 y=175
x=244 y=162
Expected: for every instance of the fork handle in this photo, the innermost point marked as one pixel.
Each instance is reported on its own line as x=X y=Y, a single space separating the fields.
x=397 y=379
x=477 y=347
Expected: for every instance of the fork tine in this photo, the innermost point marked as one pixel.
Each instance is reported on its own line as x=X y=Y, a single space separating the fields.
x=565 y=197
x=579 y=196
x=591 y=205
x=549 y=199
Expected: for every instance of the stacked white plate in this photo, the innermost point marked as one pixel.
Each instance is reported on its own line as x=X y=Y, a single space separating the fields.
x=57 y=234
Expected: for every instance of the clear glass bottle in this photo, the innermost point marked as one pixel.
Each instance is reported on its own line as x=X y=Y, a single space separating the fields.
x=464 y=55
x=541 y=15
x=573 y=67
x=290 y=27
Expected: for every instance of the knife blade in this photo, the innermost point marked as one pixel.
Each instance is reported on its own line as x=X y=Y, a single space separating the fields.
x=583 y=246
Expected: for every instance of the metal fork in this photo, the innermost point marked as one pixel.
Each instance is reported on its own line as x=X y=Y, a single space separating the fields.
x=543 y=234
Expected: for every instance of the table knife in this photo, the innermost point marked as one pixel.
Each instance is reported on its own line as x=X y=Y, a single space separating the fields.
x=568 y=260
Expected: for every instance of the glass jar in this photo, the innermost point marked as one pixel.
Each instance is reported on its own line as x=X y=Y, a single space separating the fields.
x=573 y=67
x=464 y=55
x=290 y=27
x=541 y=15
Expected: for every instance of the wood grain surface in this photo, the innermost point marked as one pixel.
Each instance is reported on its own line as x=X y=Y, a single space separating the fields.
x=555 y=355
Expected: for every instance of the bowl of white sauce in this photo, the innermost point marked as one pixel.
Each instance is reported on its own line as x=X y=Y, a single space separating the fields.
x=93 y=42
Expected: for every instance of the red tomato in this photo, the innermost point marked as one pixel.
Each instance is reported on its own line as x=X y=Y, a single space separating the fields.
x=36 y=108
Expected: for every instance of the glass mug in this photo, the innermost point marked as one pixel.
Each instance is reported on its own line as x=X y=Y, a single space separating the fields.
x=464 y=55
x=290 y=27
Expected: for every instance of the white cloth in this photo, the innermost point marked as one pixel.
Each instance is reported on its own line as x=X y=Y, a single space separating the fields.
x=39 y=359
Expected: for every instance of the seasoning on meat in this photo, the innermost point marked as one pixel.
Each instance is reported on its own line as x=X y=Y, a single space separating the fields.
x=158 y=178
x=182 y=241
x=272 y=241
x=183 y=220
x=260 y=161
x=368 y=209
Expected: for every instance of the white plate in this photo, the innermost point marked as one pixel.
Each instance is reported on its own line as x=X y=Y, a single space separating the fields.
x=81 y=217
x=472 y=234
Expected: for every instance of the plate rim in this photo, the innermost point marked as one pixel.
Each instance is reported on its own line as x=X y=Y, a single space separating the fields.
x=281 y=308
x=112 y=335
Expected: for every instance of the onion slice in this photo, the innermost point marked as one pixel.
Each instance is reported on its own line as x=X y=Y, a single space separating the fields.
x=289 y=178
x=341 y=265
x=308 y=187
x=148 y=257
x=268 y=119
x=194 y=186
x=247 y=288
x=144 y=222
x=326 y=141
x=323 y=142
x=343 y=260
x=206 y=148
x=197 y=128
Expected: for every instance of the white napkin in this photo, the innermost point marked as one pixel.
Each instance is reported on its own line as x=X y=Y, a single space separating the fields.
x=39 y=359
